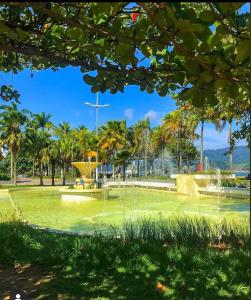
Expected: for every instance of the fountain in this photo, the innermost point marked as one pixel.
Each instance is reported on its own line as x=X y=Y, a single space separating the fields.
x=85 y=170
x=218 y=178
x=206 y=164
x=85 y=188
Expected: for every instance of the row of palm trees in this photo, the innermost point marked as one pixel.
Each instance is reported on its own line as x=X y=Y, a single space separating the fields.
x=52 y=147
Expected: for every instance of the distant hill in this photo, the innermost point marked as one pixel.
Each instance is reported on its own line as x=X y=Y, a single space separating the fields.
x=218 y=158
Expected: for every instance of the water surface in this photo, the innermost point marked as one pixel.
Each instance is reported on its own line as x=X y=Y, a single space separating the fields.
x=44 y=207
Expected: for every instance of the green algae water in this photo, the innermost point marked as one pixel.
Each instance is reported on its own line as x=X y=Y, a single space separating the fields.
x=45 y=208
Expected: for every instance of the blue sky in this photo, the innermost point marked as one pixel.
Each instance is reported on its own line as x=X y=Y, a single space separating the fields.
x=63 y=93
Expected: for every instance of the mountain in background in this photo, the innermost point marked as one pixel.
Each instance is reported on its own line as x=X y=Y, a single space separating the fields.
x=218 y=159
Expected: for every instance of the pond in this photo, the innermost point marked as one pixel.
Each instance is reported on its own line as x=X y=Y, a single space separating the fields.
x=44 y=207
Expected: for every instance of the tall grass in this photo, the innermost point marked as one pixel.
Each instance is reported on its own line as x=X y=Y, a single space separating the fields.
x=198 y=231
x=185 y=230
x=131 y=260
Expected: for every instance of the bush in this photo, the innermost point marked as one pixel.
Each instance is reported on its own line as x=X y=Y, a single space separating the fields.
x=4 y=176
x=236 y=183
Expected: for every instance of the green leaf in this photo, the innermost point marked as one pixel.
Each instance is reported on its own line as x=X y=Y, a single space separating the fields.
x=221 y=83
x=181 y=77
x=237 y=5
x=204 y=47
x=162 y=20
x=186 y=94
x=170 y=18
x=221 y=29
x=243 y=51
x=207 y=16
x=191 y=14
x=89 y=79
x=232 y=91
x=6 y=30
x=183 y=25
x=125 y=53
x=146 y=50
x=206 y=76
x=225 y=7
x=100 y=42
x=163 y=90
x=199 y=28
x=96 y=88
x=192 y=67
x=198 y=99
x=22 y=35
x=212 y=100
x=75 y=33
x=189 y=39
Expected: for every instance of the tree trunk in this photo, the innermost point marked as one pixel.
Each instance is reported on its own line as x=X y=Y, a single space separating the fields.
x=123 y=172
x=113 y=171
x=11 y=164
x=145 y=160
x=63 y=174
x=138 y=168
x=40 y=172
x=33 y=167
x=52 y=173
x=177 y=150
x=163 y=164
x=202 y=146
x=180 y=161
x=14 y=167
x=230 y=149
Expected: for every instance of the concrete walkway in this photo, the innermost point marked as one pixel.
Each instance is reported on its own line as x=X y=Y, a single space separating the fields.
x=34 y=181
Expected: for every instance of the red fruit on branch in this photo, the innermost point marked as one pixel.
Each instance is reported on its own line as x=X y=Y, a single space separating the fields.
x=134 y=16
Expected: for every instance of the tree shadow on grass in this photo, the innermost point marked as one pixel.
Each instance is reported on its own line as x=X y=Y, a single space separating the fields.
x=67 y=267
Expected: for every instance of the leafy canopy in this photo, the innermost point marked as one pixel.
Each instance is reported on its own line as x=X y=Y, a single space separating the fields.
x=201 y=49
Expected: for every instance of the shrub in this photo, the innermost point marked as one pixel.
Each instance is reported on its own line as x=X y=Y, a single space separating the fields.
x=4 y=176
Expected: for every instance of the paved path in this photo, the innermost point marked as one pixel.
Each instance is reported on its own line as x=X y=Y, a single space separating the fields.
x=34 y=181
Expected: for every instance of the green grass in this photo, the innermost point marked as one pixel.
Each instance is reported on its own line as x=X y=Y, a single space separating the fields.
x=214 y=172
x=174 y=252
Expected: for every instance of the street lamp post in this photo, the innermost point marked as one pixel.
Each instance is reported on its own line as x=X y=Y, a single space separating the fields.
x=97 y=106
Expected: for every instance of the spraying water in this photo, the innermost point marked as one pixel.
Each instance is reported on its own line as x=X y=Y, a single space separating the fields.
x=218 y=178
x=206 y=164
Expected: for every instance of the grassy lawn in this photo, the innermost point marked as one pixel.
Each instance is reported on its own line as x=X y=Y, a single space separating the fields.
x=185 y=261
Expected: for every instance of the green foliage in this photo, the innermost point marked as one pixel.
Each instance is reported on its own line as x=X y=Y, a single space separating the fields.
x=201 y=50
x=92 y=267
x=236 y=183
x=4 y=176
x=55 y=38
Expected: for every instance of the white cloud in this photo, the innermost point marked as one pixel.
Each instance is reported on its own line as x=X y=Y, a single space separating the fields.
x=128 y=113
x=152 y=115
x=214 y=139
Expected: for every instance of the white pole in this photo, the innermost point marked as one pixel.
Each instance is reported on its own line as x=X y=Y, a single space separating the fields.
x=97 y=106
x=97 y=136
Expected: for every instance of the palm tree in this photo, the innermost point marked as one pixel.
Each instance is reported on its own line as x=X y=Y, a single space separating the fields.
x=43 y=121
x=113 y=137
x=179 y=125
x=142 y=142
x=12 y=135
x=67 y=146
x=39 y=134
x=54 y=156
x=202 y=115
